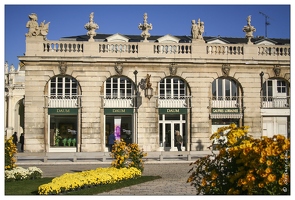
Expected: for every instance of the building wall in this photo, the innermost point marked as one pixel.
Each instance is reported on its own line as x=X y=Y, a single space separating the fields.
x=91 y=78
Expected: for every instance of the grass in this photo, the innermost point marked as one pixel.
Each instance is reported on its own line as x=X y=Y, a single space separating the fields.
x=30 y=187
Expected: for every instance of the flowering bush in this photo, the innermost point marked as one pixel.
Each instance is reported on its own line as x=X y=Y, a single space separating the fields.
x=127 y=155
x=121 y=153
x=244 y=165
x=136 y=155
x=19 y=173
x=79 y=180
x=10 y=150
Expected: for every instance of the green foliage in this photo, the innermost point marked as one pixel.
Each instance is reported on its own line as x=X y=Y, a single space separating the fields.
x=244 y=165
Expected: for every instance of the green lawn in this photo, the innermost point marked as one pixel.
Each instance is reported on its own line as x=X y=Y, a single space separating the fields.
x=30 y=187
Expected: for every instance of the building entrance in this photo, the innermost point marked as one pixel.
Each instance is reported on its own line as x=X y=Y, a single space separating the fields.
x=168 y=125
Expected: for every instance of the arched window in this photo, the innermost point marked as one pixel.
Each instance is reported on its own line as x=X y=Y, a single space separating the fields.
x=224 y=89
x=172 y=88
x=118 y=87
x=63 y=86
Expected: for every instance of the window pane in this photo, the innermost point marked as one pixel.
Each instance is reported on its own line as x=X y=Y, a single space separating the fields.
x=219 y=88
x=227 y=88
x=214 y=88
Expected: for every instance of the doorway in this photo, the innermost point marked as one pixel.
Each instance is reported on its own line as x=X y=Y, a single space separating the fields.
x=168 y=125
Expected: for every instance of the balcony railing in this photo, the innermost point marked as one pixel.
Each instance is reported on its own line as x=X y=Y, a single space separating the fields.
x=226 y=102
x=275 y=102
x=174 y=102
x=118 y=102
x=63 y=101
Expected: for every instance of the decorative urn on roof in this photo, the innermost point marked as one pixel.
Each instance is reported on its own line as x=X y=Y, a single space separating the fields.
x=91 y=26
x=249 y=30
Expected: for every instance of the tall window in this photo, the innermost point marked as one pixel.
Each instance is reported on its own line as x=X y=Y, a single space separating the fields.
x=224 y=89
x=172 y=88
x=118 y=87
x=63 y=86
x=274 y=88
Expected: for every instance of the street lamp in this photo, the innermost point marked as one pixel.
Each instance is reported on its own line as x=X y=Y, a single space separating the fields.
x=148 y=89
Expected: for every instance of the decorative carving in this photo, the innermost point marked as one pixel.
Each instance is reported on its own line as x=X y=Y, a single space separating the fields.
x=148 y=82
x=225 y=69
x=91 y=26
x=197 y=30
x=173 y=69
x=119 y=68
x=145 y=27
x=142 y=84
x=249 y=30
x=277 y=70
x=35 y=29
x=21 y=64
x=62 y=67
x=12 y=69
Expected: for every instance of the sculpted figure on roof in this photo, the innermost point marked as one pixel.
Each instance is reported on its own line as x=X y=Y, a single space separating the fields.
x=197 y=29
x=35 y=29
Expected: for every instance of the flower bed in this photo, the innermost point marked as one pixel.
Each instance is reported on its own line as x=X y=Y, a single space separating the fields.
x=19 y=173
x=79 y=180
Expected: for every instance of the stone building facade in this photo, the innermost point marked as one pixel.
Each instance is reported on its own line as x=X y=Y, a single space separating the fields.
x=14 y=94
x=145 y=87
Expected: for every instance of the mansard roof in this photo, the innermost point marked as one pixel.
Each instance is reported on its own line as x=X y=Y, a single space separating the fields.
x=182 y=39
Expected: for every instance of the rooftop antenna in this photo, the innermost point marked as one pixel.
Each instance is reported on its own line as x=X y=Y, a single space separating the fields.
x=266 y=22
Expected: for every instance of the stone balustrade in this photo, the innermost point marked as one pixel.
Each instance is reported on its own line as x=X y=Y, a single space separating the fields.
x=157 y=50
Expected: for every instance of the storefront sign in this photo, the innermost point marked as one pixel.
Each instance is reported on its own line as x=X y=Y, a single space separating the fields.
x=62 y=111
x=118 y=111
x=225 y=110
x=172 y=110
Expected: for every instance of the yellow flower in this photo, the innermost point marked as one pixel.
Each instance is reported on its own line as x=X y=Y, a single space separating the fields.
x=281 y=181
x=271 y=177
x=268 y=151
x=214 y=175
x=268 y=170
x=261 y=185
x=203 y=182
x=268 y=162
x=262 y=160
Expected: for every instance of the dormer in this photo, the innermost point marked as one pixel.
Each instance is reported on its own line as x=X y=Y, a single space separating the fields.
x=117 y=38
x=168 y=39
x=265 y=41
x=217 y=40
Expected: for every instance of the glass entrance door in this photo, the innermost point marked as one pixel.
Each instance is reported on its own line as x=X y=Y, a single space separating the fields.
x=168 y=124
x=169 y=136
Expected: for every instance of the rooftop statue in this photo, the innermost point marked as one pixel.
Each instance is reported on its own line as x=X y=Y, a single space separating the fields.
x=249 y=29
x=197 y=29
x=91 y=26
x=35 y=29
x=145 y=27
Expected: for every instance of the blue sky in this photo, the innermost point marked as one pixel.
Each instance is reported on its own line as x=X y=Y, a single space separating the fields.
x=69 y=20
